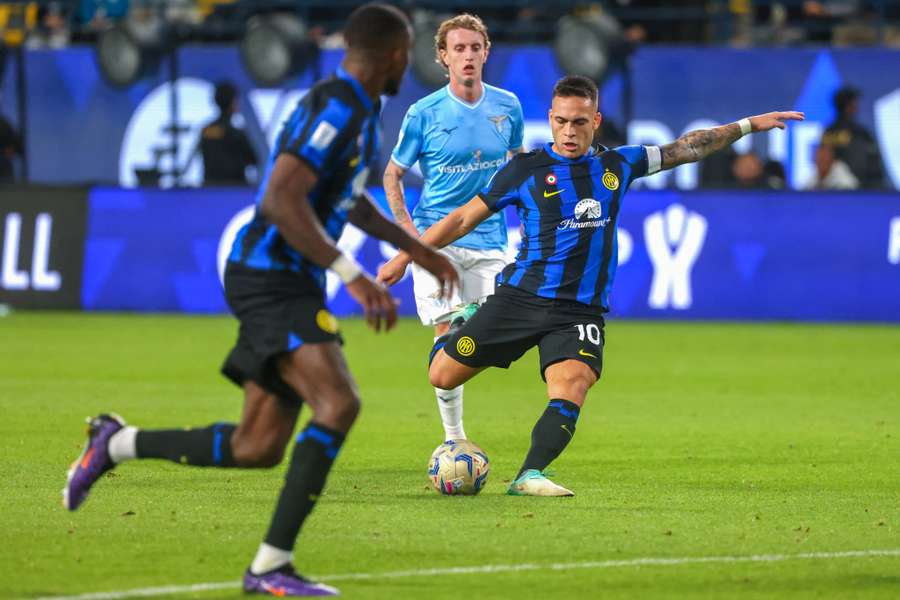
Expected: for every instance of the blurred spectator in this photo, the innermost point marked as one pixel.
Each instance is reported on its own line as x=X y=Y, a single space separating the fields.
x=843 y=22
x=716 y=169
x=747 y=170
x=750 y=172
x=607 y=134
x=831 y=172
x=852 y=143
x=776 y=178
x=10 y=147
x=97 y=14
x=226 y=150
x=821 y=16
x=665 y=21
x=53 y=30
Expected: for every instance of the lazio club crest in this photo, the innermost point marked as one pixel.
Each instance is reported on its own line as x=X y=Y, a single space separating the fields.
x=498 y=121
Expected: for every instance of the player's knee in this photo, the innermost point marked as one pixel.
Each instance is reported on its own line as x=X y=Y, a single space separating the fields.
x=572 y=385
x=440 y=378
x=339 y=410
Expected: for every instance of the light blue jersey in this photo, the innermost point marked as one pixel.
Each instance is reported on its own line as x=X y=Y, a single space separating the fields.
x=458 y=147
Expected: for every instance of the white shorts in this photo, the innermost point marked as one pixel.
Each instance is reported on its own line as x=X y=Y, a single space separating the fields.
x=477 y=272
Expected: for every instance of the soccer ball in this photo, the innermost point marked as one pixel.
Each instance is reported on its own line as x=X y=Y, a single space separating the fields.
x=458 y=467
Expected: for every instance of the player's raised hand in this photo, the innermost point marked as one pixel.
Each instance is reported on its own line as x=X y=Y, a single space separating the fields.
x=378 y=304
x=393 y=270
x=774 y=119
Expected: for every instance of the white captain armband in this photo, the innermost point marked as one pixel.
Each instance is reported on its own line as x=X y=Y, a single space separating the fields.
x=654 y=159
x=346 y=268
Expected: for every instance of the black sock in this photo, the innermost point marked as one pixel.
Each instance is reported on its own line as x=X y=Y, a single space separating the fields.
x=314 y=453
x=208 y=447
x=551 y=434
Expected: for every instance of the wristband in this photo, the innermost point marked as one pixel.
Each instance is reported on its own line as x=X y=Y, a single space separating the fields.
x=745 y=126
x=346 y=268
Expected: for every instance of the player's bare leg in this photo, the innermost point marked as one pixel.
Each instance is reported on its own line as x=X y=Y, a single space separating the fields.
x=319 y=374
x=447 y=373
x=568 y=382
x=265 y=429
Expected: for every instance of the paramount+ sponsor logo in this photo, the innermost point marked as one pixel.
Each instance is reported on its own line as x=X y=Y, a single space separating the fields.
x=588 y=214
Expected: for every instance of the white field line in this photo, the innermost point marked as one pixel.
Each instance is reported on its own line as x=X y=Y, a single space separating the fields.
x=598 y=564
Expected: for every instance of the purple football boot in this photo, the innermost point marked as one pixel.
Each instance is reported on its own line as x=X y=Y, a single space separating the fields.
x=284 y=581
x=93 y=462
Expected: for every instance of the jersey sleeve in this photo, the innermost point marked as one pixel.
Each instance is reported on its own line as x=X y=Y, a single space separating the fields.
x=320 y=134
x=503 y=187
x=409 y=142
x=518 y=128
x=643 y=160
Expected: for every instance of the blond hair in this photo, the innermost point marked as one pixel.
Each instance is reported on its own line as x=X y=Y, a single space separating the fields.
x=463 y=21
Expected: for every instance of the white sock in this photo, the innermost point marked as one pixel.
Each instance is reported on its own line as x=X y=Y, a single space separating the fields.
x=450 y=403
x=269 y=558
x=123 y=445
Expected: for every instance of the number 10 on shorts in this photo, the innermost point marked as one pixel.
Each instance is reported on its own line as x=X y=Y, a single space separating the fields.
x=590 y=331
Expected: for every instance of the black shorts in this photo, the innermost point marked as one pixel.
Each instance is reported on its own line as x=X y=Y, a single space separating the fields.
x=278 y=312
x=513 y=321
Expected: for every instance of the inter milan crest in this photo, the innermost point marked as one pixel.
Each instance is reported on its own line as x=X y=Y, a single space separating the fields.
x=610 y=181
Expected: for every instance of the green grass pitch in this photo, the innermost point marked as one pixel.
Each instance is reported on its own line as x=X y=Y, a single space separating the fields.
x=701 y=440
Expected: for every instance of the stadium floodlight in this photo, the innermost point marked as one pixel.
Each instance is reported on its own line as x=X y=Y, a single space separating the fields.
x=587 y=44
x=276 y=47
x=426 y=69
x=130 y=51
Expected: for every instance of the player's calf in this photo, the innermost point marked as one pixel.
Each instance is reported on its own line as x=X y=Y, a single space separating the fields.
x=256 y=452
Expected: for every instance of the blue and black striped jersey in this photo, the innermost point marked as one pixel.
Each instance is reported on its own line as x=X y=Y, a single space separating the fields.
x=335 y=130
x=568 y=209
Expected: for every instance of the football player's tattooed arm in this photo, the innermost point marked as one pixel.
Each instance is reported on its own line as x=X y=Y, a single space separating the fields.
x=393 y=188
x=443 y=233
x=697 y=145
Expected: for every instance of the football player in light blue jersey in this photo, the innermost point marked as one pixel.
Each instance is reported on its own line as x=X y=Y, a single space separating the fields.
x=459 y=135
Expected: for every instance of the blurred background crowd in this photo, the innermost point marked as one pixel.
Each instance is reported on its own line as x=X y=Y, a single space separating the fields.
x=734 y=22
x=846 y=157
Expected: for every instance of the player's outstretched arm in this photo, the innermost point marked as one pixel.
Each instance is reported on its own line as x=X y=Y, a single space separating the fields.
x=393 y=189
x=443 y=233
x=697 y=145
x=285 y=205
x=367 y=217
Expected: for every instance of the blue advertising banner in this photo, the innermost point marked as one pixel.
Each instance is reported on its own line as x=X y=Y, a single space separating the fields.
x=682 y=255
x=83 y=130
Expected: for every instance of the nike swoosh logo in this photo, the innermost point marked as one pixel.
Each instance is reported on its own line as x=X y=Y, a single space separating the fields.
x=583 y=353
x=275 y=591
x=566 y=429
x=354 y=161
x=87 y=458
x=548 y=194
